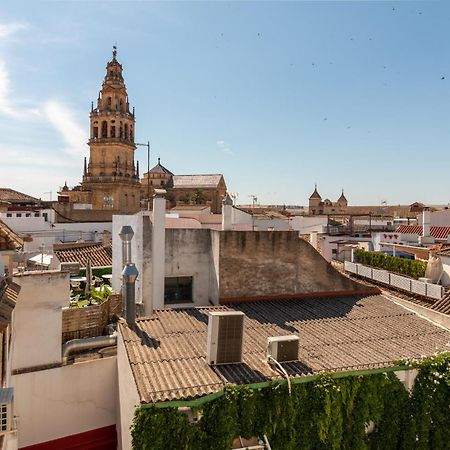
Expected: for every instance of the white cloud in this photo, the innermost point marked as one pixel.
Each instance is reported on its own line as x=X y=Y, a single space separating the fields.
x=224 y=147
x=72 y=133
x=8 y=29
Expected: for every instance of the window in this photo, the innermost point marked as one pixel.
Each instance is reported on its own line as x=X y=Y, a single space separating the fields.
x=28 y=215
x=177 y=290
x=45 y=216
x=113 y=131
x=18 y=215
x=104 y=129
x=36 y=214
x=8 y=215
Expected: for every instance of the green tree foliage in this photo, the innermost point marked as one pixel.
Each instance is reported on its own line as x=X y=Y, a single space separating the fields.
x=327 y=413
x=409 y=267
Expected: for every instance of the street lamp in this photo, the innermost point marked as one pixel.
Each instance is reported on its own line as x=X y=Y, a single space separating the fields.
x=148 y=171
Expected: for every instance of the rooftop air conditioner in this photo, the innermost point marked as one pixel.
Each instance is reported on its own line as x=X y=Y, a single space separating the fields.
x=6 y=400
x=283 y=348
x=225 y=337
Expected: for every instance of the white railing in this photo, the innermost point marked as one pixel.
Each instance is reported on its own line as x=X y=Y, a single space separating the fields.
x=391 y=279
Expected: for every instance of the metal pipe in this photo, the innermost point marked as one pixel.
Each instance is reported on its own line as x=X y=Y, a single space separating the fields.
x=130 y=273
x=126 y=234
x=75 y=345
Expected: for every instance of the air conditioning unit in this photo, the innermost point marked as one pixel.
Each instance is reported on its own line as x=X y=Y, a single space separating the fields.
x=225 y=337
x=6 y=401
x=283 y=348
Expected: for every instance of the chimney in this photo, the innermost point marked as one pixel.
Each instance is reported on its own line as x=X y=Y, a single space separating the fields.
x=227 y=217
x=128 y=309
x=426 y=222
x=130 y=273
x=158 y=252
x=106 y=238
x=426 y=237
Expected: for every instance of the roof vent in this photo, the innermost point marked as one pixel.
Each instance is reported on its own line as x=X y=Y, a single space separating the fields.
x=283 y=348
x=225 y=337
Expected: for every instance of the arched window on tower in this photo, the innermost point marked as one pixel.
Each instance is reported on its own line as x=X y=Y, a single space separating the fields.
x=131 y=132
x=121 y=130
x=108 y=102
x=126 y=131
x=104 y=129
x=113 y=131
x=121 y=105
x=95 y=132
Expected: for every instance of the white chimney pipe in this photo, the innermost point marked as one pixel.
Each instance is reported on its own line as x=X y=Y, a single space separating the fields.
x=227 y=217
x=426 y=219
x=158 y=253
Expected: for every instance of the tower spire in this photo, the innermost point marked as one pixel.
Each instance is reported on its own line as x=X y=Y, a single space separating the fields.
x=114 y=53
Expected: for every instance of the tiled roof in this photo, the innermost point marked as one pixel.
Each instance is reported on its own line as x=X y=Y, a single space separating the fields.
x=8 y=239
x=196 y=181
x=167 y=351
x=315 y=194
x=10 y=195
x=436 y=232
x=9 y=292
x=159 y=168
x=100 y=256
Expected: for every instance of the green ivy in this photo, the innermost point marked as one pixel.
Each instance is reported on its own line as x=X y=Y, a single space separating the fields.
x=409 y=267
x=327 y=413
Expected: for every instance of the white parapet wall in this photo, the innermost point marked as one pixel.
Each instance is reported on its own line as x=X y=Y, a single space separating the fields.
x=64 y=401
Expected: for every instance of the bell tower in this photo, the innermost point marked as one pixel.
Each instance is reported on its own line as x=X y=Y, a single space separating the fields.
x=111 y=174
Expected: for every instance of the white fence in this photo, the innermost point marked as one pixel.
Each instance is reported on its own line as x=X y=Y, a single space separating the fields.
x=391 y=279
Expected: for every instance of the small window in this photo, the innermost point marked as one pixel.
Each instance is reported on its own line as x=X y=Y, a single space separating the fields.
x=177 y=290
x=18 y=215
x=45 y=216
x=8 y=215
x=28 y=215
x=36 y=214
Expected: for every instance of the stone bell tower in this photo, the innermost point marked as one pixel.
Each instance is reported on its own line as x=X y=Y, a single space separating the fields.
x=111 y=175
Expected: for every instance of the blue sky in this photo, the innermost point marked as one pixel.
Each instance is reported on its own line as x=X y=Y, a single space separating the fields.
x=274 y=95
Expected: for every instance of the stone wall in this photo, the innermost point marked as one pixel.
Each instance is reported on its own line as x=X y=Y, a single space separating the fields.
x=275 y=264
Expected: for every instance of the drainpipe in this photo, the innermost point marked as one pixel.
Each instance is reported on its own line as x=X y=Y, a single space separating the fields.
x=130 y=273
x=76 y=345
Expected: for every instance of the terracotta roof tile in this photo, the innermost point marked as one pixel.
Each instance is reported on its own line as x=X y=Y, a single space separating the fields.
x=100 y=255
x=9 y=240
x=10 y=195
x=196 y=181
x=167 y=352
x=9 y=293
x=436 y=232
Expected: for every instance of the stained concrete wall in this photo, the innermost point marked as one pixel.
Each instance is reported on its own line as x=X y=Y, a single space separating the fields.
x=188 y=254
x=274 y=263
x=63 y=401
x=37 y=322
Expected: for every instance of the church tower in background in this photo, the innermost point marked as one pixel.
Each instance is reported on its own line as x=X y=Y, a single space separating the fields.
x=111 y=174
x=111 y=183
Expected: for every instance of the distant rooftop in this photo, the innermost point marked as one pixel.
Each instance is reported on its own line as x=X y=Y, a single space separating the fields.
x=196 y=181
x=436 y=232
x=100 y=255
x=167 y=352
x=9 y=240
x=12 y=196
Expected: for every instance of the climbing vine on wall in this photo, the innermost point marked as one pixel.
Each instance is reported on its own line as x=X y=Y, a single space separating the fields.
x=322 y=414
